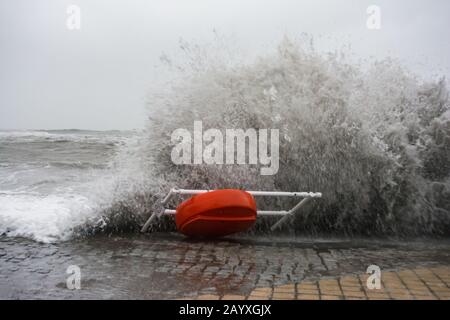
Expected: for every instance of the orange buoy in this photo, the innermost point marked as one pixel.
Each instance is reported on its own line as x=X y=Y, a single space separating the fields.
x=216 y=213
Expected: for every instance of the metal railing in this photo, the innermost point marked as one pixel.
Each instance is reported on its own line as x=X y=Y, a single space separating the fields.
x=285 y=215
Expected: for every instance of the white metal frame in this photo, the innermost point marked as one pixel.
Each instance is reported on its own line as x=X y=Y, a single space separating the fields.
x=285 y=215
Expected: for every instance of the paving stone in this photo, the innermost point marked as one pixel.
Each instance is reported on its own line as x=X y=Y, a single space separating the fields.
x=208 y=297
x=283 y=295
x=233 y=297
x=331 y=297
x=308 y=297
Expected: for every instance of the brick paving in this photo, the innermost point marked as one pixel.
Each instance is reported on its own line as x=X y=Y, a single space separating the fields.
x=409 y=284
x=169 y=266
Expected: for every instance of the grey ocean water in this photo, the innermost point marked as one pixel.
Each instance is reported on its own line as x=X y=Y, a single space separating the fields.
x=51 y=181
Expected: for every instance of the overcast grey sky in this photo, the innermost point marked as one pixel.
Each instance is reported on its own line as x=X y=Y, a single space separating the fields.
x=98 y=77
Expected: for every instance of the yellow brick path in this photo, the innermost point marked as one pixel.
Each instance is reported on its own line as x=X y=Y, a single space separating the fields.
x=431 y=283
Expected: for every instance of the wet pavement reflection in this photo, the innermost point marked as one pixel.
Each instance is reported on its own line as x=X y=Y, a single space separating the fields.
x=168 y=266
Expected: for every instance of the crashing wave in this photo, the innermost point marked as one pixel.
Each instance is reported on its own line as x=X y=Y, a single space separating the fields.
x=375 y=140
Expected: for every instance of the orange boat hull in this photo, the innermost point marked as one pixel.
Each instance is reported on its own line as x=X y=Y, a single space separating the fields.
x=217 y=213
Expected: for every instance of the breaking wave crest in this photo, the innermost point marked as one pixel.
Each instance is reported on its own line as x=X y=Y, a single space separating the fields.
x=373 y=138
